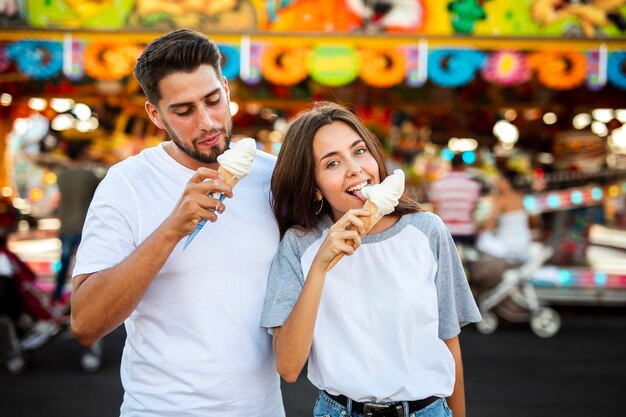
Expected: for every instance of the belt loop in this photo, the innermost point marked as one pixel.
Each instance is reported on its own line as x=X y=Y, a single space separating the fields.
x=405 y=407
x=349 y=406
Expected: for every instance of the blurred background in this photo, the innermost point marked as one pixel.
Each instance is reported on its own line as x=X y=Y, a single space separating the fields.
x=537 y=87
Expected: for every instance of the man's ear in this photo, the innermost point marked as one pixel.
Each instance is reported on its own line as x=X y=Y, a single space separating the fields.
x=153 y=113
x=226 y=88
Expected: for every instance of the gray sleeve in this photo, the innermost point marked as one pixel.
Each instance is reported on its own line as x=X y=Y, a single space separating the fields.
x=285 y=283
x=457 y=306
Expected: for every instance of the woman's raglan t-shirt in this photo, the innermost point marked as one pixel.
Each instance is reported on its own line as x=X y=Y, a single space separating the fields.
x=384 y=312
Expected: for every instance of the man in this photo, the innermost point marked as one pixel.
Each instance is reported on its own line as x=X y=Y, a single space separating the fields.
x=454 y=198
x=194 y=345
x=77 y=185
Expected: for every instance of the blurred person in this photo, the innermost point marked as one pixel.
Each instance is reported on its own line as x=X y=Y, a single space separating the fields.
x=193 y=341
x=454 y=198
x=379 y=330
x=506 y=233
x=77 y=185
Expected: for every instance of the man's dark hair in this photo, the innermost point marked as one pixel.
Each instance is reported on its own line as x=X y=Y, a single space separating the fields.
x=182 y=50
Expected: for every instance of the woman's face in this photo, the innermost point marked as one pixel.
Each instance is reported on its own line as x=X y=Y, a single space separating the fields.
x=343 y=166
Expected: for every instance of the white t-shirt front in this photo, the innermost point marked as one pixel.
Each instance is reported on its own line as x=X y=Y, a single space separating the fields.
x=194 y=345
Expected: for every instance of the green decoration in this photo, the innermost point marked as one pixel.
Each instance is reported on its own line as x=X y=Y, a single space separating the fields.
x=334 y=65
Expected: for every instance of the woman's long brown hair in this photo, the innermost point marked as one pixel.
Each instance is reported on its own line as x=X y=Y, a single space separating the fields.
x=293 y=182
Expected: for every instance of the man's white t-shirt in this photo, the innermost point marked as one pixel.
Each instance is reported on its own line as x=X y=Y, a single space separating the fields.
x=194 y=345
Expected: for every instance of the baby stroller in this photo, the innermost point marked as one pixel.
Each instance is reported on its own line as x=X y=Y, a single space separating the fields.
x=504 y=291
x=27 y=320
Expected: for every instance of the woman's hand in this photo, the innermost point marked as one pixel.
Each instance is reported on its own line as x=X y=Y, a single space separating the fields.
x=343 y=236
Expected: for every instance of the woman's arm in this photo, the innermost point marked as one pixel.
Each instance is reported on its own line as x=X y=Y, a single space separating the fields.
x=292 y=341
x=456 y=401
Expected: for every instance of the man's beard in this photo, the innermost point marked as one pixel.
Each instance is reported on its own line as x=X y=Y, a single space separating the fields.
x=193 y=152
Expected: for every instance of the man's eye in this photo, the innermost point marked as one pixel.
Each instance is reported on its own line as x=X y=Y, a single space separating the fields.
x=213 y=102
x=184 y=113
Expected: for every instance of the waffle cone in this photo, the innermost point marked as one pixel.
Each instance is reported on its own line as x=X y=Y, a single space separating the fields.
x=368 y=222
x=229 y=178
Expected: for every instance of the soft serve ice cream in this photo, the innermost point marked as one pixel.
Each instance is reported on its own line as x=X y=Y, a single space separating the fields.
x=386 y=195
x=238 y=159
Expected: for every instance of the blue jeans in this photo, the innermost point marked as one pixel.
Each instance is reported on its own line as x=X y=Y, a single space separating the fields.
x=327 y=407
x=69 y=243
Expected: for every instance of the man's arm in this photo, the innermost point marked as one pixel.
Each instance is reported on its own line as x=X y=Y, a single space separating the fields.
x=103 y=300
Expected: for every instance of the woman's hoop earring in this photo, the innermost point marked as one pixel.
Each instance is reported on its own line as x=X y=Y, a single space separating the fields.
x=319 y=210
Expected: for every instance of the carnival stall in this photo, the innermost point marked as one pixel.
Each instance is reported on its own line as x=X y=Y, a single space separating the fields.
x=536 y=78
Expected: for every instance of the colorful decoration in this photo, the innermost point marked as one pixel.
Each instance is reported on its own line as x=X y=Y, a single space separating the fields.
x=73 y=58
x=230 y=64
x=577 y=277
x=559 y=70
x=334 y=65
x=566 y=199
x=251 y=57
x=506 y=68
x=615 y=72
x=596 y=68
x=110 y=61
x=382 y=68
x=283 y=65
x=37 y=59
x=464 y=14
x=454 y=68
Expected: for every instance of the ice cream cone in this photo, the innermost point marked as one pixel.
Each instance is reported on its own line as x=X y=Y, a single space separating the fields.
x=229 y=178
x=368 y=223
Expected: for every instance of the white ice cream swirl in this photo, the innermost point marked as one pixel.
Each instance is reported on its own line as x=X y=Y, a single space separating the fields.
x=238 y=159
x=386 y=195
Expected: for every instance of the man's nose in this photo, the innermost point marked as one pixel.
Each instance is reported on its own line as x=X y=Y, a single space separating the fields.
x=205 y=120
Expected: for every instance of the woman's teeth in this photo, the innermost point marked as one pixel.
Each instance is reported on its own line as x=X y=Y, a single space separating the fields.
x=356 y=187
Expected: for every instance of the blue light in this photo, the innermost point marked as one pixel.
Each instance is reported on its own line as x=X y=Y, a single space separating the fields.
x=565 y=277
x=600 y=279
x=576 y=197
x=55 y=266
x=530 y=203
x=469 y=157
x=447 y=154
x=553 y=201
x=596 y=193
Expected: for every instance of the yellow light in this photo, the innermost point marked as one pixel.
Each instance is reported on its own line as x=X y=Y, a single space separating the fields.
x=613 y=191
x=7 y=191
x=50 y=178
x=35 y=194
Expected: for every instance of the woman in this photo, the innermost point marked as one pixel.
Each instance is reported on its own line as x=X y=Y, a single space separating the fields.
x=506 y=233
x=380 y=329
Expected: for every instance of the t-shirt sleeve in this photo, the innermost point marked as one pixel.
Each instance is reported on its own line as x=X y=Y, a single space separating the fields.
x=457 y=306
x=285 y=283
x=109 y=234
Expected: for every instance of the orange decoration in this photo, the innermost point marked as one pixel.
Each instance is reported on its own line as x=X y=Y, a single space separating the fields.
x=110 y=61
x=382 y=68
x=559 y=70
x=283 y=65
